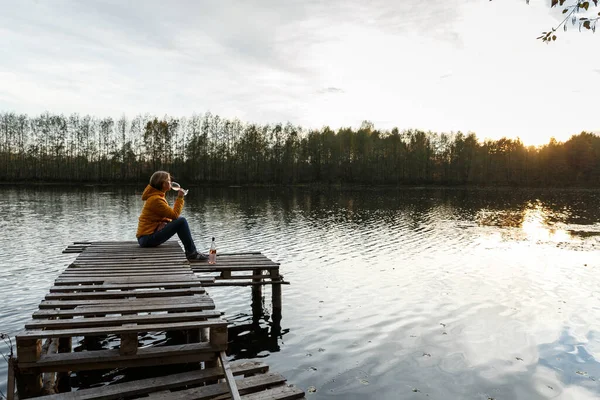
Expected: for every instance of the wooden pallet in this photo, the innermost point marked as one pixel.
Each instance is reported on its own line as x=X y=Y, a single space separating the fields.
x=121 y=290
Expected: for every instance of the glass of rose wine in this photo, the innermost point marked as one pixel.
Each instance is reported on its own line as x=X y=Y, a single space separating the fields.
x=177 y=187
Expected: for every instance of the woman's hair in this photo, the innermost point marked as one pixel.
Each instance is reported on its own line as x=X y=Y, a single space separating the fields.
x=158 y=178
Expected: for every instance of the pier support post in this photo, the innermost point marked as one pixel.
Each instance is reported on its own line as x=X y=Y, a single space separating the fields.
x=29 y=383
x=63 y=384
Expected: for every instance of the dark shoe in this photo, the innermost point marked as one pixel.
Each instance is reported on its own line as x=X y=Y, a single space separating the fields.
x=197 y=257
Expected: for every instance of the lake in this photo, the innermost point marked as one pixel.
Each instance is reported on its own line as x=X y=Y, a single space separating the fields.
x=407 y=293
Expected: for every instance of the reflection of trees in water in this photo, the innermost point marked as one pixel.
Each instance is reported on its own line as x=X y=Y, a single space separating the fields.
x=503 y=207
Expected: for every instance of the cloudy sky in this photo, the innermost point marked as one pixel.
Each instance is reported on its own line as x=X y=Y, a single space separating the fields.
x=441 y=65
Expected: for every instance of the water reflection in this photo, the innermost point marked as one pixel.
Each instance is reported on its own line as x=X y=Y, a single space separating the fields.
x=533 y=222
x=258 y=335
x=456 y=293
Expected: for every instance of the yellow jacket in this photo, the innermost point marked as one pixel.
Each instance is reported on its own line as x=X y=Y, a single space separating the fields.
x=156 y=210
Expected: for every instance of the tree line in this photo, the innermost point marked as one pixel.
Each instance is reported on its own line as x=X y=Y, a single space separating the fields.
x=209 y=149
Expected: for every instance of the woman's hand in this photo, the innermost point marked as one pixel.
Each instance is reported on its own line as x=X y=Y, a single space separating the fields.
x=180 y=193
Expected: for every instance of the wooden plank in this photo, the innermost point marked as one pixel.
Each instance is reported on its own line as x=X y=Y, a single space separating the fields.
x=126 y=286
x=132 y=250
x=247 y=385
x=122 y=261
x=233 y=264
x=108 y=273
x=243 y=277
x=150 y=385
x=245 y=283
x=112 y=266
x=90 y=311
x=235 y=395
x=119 y=294
x=219 y=268
x=103 y=359
x=130 y=279
x=281 y=392
x=215 y=323
x=135 y=248
x=224 y=260
x=66 y=275
x=125 y=319
x=111 y=257
x=194 y=299
x=123 y=268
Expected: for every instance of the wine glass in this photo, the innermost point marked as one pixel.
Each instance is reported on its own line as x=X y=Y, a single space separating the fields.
x=176 y=186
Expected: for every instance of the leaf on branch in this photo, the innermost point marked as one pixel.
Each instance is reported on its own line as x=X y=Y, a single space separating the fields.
x=587 y=25
x=554 y=2
x=565 y=10
x=585 y=5
x=553 y=37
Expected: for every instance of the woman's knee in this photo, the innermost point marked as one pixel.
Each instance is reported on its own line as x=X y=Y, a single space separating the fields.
x=181 y=221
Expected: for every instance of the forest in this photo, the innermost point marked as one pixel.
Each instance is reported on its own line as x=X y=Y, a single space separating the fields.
x=208 y=149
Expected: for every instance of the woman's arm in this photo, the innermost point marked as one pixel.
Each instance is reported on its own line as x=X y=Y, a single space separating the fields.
x=161 y=208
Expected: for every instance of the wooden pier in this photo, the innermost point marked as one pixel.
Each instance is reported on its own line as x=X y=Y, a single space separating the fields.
x=119 y=290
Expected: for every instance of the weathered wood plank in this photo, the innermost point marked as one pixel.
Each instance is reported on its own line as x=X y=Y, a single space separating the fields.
x=111 y=310
x=247 y=385
x=235 y=395
x=92 y=267
x=234 y=263
x=133 y=303
x=119 y=274
x=125 y=319
x=246 y=283
x=149 y=385
x=281 y=392
x=130 y=279
x=219 y=268
x=102 y=359
x=118 y=329
x=126 y=286
x=119 y=294
x=145 y=256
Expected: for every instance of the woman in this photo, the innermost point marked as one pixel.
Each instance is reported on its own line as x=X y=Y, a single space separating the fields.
x=158 y=222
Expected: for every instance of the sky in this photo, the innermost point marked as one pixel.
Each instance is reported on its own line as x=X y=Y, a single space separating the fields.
x=439 y=65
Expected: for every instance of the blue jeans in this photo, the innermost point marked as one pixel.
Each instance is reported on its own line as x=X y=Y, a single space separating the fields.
x=178 y=226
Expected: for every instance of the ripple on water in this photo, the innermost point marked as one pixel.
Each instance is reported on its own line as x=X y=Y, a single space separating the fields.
x=394 y=294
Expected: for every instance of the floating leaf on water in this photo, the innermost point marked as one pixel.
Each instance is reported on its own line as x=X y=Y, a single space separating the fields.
x=581 y=373
x=311 y=389
x=519 y=358
x=415 y=390
x=364 y=381
x=312 y=368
